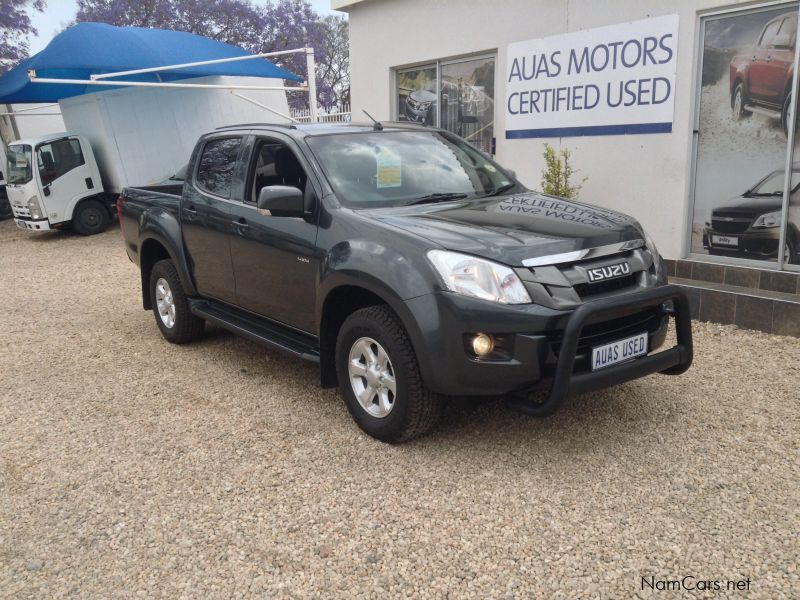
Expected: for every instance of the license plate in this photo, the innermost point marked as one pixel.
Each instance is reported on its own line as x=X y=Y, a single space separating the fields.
x=619 y=351
x=724 y=240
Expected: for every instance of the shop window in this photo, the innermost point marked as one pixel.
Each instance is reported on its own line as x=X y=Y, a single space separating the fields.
x=742 y=135
x=460 y=99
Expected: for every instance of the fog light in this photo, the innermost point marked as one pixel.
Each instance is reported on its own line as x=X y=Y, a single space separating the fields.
x=483 y=344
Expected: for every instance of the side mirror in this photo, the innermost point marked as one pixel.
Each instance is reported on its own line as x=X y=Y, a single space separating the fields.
x=511 y=172
x=280 y=201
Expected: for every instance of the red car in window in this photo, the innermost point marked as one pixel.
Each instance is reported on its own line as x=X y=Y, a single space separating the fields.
x=761 y=76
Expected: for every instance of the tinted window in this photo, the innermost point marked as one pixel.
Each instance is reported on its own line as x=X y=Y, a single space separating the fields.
x=217 y=163
x=58 y=158
x=769 y=33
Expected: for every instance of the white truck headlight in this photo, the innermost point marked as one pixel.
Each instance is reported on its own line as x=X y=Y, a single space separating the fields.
x=35 y=207
x=768 y=220
x=479 y=278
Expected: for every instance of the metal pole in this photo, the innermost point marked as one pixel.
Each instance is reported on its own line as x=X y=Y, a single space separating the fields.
x=312 y=84
x=199 y=63
x=211 y=86
x=264 y=106
x=787 y=179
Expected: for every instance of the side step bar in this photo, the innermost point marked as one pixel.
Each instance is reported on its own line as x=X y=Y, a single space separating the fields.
x=763 y=110
x=257 y=329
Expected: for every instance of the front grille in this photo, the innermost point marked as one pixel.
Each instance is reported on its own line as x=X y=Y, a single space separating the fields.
x=738 y=225
x=588 y=289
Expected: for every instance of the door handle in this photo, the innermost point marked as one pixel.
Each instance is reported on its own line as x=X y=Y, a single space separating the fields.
x=768 y=59
x=191 y=210
x=242 y=225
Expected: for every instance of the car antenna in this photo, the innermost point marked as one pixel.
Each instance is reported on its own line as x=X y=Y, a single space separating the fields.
x=377 y=126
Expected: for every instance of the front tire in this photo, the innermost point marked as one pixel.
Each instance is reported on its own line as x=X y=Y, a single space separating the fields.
x=171 y=307
x=91 y=217
x=737 y=103
x=380 y=380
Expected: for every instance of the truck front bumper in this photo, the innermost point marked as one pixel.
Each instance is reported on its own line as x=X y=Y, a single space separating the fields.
x=33 y=225
x=541 y=347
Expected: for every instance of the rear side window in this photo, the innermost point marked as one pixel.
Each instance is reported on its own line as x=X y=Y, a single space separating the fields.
x=58 y=158
x=217 y=164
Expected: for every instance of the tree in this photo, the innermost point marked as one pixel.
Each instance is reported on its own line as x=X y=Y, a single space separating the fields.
x=334 y=71
x=15 y=27
x=279 y=25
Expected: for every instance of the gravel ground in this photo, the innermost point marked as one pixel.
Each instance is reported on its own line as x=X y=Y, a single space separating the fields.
x=130 y=467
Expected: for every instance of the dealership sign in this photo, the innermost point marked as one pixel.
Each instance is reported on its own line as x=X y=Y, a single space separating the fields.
x=604 y=81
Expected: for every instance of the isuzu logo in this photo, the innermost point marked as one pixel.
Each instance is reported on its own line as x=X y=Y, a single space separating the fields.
x=609 y=272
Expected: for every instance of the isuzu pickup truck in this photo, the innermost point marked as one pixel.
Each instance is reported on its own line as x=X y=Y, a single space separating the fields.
x=408 y=265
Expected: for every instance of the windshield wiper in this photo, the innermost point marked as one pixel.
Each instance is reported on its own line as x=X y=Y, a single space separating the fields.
x=500 y=190
x=436 y=198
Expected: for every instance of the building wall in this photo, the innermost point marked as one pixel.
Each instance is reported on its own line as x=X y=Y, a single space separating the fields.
x=646 y=176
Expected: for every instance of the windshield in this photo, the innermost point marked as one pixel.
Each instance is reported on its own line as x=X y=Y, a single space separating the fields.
x=393 y=168
x=773 y=185
x=19 y=163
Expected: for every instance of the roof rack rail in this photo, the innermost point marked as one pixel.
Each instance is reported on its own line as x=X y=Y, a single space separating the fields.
x=241 y=125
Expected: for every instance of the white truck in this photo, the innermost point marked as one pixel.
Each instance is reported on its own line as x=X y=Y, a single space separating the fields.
x=53 y=181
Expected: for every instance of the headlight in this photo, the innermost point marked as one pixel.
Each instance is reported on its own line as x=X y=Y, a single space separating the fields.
x=658 y=264
x=479 y=278
x=768 y=220
x=34 y=207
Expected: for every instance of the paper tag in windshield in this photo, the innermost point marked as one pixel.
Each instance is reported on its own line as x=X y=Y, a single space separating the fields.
x=388 y=170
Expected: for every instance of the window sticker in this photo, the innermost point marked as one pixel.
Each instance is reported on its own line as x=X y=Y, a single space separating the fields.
x=388 y=170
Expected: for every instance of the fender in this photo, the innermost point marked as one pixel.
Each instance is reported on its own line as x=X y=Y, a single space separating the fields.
x=354 y=264
x=162 y=226
x=70 y=209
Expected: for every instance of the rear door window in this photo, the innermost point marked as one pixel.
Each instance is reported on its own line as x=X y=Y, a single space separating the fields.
x=769 y=34
x=217 y=166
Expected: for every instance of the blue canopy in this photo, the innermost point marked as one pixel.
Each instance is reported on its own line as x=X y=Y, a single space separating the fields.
x=91 y=48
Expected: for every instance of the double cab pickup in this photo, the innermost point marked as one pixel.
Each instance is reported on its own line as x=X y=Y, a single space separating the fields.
x=408 y=265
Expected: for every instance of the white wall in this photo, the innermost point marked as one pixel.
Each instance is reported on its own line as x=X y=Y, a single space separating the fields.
x=646 y=176
x=144 y=135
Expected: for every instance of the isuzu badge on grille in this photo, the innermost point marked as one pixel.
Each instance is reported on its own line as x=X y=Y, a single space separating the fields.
x=609 y=272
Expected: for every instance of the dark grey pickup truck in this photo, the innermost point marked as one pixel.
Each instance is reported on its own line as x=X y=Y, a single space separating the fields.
x=408 y=265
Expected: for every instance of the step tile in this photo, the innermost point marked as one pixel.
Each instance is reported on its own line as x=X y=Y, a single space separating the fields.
x=717 y=307
x=786 y=319
x=779 y=282
x=708 y=272
x=754 y=313
x=742 y=277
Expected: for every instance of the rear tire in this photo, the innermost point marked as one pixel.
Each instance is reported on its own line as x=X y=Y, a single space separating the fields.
x=375 y=359
x=91 y=217
x=171 y=307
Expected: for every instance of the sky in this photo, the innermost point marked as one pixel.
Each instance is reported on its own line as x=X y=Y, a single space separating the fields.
x=60 y=12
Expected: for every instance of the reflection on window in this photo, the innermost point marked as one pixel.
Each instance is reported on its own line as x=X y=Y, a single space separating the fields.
x=217 y=163
x=58 y=158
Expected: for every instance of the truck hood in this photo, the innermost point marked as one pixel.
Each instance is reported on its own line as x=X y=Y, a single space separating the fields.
x=512 y=228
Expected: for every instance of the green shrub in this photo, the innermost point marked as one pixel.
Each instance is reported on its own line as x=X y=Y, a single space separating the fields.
x=558 y=175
